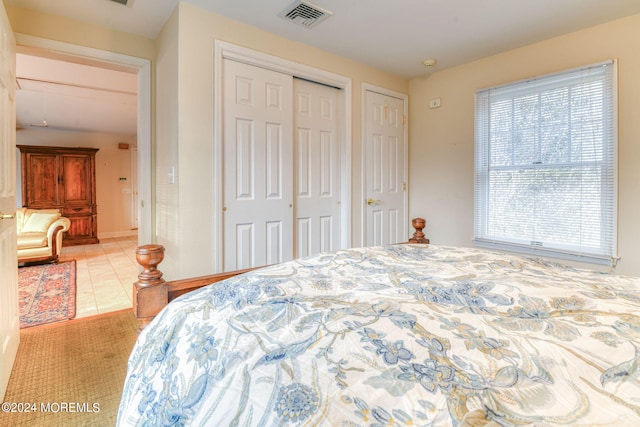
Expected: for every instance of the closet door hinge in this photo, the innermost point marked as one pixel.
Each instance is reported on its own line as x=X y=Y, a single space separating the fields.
x=404 y=119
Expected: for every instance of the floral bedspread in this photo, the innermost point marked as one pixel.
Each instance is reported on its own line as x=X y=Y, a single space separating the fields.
x=406 y=335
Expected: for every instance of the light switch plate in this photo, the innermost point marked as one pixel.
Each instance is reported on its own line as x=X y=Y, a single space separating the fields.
x=434 y=103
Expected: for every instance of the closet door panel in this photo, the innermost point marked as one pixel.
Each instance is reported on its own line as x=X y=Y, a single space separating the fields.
x=258 y=166
x=317 y=168
x=282 y=167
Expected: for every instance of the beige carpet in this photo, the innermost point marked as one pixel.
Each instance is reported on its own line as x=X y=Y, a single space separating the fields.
x=72 y=371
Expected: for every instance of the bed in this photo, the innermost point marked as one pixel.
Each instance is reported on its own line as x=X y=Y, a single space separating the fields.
x=401 y=335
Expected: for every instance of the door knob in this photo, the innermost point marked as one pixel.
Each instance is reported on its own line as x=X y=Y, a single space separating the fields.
x=7 y=216
x=372 y=202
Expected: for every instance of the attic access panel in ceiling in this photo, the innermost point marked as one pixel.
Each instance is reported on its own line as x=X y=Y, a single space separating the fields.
x=305 y=13
x=124 y=2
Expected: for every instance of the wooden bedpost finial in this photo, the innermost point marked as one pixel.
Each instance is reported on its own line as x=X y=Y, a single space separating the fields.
x=149 y=256
x=418 y=236
x=150 y=291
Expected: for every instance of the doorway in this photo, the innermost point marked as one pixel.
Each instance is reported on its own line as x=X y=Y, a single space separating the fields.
x=385 y=166
x=142 y=68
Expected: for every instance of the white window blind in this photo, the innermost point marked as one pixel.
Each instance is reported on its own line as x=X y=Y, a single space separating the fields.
x=546 y=165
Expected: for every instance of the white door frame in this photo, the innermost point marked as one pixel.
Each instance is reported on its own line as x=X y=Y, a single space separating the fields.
x=405 y=98
x=226 y=50
x=143 y=68
x=135 y=208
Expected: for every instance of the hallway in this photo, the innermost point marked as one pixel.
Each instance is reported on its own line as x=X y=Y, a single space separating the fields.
x=105 y=273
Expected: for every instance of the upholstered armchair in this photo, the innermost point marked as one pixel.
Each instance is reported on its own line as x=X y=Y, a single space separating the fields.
x=40 y=234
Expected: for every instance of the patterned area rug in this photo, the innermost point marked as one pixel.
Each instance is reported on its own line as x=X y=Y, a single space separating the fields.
x=47 y=293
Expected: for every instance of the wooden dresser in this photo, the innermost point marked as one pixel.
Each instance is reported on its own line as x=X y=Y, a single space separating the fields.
x=63 y=178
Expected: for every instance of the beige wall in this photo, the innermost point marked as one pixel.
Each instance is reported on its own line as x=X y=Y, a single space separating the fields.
x=113 y=196
x=190 y=145
x=441 y=140
x=26 y=21
x=167 y=207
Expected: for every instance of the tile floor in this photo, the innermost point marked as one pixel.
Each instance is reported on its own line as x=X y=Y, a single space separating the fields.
x=105 y=273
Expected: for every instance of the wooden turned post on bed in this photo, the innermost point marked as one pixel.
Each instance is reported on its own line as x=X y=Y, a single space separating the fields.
x=151 y=292
x=418 y=236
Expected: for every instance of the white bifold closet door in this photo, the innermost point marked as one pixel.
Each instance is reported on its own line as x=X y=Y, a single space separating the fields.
x=281 y=167
x=317 y=168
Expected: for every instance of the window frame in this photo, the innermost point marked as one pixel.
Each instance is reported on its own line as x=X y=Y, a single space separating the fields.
x=607 y=251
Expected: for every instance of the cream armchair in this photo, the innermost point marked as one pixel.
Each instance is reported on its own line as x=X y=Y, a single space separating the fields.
x=40 y=234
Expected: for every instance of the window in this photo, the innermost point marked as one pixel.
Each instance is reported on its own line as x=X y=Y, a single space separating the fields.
x=546 y=165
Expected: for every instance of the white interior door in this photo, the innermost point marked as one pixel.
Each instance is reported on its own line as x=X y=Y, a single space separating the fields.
x=9 y=315
x=258 y=166
x=317 y=168
x=385 y=154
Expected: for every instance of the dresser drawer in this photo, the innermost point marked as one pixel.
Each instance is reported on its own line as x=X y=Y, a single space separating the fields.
x=78 y=210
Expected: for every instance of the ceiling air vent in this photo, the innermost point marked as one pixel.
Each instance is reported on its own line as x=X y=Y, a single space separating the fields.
x=127 y=3
x=305 y=13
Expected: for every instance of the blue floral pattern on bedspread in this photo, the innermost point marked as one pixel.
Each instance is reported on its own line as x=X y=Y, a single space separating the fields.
x=406 y=335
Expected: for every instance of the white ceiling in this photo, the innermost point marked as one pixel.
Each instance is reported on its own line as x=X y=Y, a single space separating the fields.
x=57 y=94
x=395 y=36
